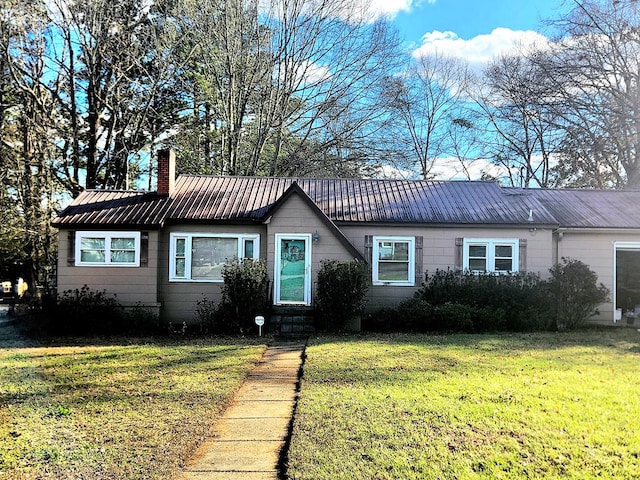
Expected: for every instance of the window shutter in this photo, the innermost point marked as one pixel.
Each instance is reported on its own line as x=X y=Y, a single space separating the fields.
x=419 y=261
x=522 y=256
x=368 y=251
x=71 y=248
x=144 y=249
x=458 y=254
x=368 y=248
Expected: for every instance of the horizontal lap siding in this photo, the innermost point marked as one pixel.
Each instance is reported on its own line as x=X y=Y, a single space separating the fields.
x=596 y=250
x=295 y=216
x=130 y=285
x=438 y=252
x=179 y=299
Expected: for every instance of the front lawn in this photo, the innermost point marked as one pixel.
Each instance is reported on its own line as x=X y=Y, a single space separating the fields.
x=116 y=411
x=543 y=405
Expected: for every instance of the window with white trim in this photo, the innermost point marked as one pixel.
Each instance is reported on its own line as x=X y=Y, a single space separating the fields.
x=490 y=255
x=110 y=249
x=394 y=261
x=199 y=257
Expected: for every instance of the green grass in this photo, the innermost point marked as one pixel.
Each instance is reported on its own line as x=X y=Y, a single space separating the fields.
x=547 y=405
x=113 y=411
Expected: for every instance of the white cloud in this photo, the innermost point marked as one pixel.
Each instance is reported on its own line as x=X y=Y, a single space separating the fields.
x=481 y=49
x=451 y=169
x=385 y=8
x=448 y=168
x=349 y=10
x=371 y=10
x=311 y=73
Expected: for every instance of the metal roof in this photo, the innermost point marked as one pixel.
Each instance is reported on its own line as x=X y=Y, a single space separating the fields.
x=199 y=198
x=114 y=207
x=574 y=208
x=354 y=200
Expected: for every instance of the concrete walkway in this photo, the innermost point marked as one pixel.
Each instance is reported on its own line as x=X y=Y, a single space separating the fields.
x=247 y=440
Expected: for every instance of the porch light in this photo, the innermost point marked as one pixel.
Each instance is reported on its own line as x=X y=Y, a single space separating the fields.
x=316 y=237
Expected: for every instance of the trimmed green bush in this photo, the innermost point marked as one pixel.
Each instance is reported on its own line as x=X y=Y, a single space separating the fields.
x=340 y=293
x=415 y=315
x=384 y=320
x=455 y=301
x=453 y=317
x=244 y=295
x=84 y=311
x=573 y=293
x=498 y=302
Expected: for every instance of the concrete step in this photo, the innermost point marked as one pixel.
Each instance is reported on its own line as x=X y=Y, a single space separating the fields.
x=292 y=321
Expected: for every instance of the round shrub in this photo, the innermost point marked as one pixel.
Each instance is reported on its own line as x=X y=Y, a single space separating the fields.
x=340 y=293
x=453 y=316
x=415 y=314
x=574 y=293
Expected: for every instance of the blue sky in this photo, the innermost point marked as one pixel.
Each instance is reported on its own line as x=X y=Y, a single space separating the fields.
x=469 y=18
x=474 y=30
x=471 y=29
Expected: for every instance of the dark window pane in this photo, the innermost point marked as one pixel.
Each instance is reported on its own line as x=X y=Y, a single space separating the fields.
x=504 y=265
x=180 y=247
x=478 y=264
x=248 y=249
x=478 y=251
x=393 y=272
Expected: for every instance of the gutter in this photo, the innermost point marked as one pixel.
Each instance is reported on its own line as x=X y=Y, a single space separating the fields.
x=561 y=230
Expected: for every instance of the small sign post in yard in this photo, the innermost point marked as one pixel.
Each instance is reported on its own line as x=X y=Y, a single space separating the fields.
x=259 y=323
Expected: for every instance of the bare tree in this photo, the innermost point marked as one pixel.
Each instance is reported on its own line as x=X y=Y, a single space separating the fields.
x=521 y=133
x=594 y=65
x=27 y=108
x=112 y=65
x=426 y=101
x=288 y=80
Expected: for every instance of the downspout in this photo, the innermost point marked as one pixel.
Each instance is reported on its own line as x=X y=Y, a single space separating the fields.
x=559 y=234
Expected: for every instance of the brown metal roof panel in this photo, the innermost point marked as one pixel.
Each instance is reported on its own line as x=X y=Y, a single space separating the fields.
x=202 y=207
x=188 y=197
x=198 y=199
x=592 y=208
x=109 y=208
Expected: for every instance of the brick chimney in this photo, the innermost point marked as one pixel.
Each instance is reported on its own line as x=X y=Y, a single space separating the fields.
x=166 y=172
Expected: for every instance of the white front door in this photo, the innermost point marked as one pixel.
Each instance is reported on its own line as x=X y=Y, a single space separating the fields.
x=292 y=276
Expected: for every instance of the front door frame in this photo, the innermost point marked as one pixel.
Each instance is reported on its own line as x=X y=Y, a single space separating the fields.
x=277 y=267
x=633 y=246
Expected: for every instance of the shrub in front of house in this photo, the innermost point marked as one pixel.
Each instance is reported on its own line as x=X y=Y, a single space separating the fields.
x=573 y=293
x=383 y=320
x=244 y=295
x=454 y=317
x=206 y=314
x=455 y=301
x=498 y=302
x=84 y=311
x=415 y=315
x=140 y=320
x=340 y=293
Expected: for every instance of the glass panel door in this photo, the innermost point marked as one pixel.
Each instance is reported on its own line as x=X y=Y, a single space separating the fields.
x=293 y=270
x=627 y=276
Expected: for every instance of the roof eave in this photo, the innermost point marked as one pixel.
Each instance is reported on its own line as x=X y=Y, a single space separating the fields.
x=296 y=189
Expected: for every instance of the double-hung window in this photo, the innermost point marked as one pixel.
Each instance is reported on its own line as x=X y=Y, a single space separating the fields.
x=113 y=249
x=393 y=261
x=199 y=257
x=490 y=255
